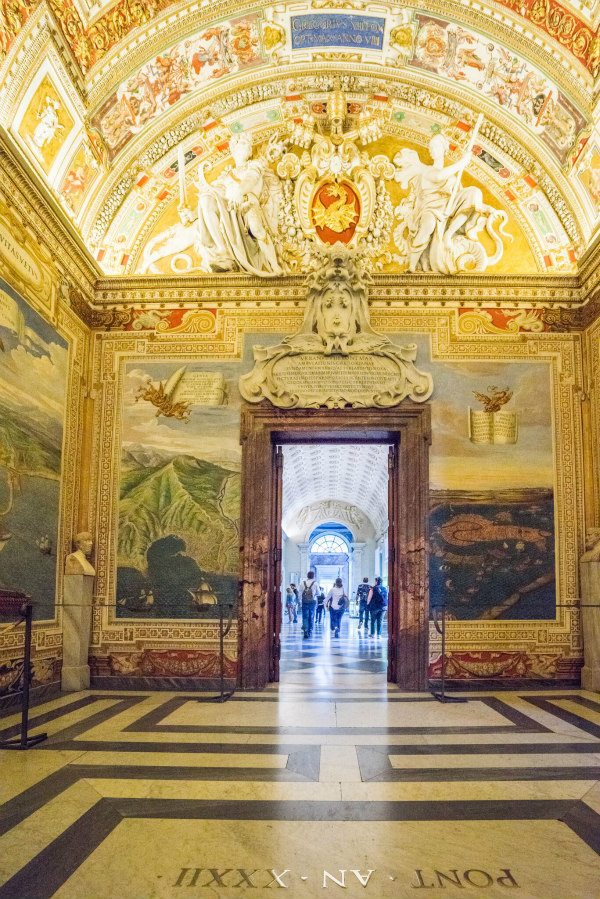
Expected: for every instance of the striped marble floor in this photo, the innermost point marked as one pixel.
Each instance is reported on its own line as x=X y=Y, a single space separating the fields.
x=332 y=783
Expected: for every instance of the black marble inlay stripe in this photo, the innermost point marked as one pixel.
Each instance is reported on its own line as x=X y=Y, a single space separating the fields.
x=151 y=722
x=518 y=718
x=572 y=697
x=44 y=875
x=486 y=774
x=375 y=765
x=45 y=717
x=184 y=748
x=290 y=730
x=490 y=748
x=69 y=734
x=548 y=705
x=303 y=765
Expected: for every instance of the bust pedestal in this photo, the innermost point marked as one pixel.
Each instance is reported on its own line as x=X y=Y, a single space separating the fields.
x=590 y=621
x=77 y=626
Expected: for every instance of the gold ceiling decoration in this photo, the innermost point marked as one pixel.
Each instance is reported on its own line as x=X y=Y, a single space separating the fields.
x=110 y=135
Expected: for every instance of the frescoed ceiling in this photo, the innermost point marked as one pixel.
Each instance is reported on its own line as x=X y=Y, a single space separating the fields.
x=107 y=101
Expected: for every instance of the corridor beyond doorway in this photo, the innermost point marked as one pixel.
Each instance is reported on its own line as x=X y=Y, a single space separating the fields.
x=323 y=662
x=335 y=523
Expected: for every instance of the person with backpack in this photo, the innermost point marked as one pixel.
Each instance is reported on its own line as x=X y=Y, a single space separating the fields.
x=308 y=593
x=376 y=603
x=320 y=606
x=336 y=603
x=362 y=594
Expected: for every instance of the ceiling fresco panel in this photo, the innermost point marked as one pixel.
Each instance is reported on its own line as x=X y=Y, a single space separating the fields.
x=216 y=52
x=146 y=80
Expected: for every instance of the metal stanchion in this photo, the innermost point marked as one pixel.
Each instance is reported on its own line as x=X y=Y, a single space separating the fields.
x=224 y=629
x=19 y=603
x=441 y=696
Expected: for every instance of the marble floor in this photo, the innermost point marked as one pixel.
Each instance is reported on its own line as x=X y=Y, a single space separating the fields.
x=332 y=783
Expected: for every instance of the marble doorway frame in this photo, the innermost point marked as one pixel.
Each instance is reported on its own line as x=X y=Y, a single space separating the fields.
x=263 y=428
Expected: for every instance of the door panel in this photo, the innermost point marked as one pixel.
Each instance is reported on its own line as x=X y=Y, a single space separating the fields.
x=275 y=609
x=393 y=556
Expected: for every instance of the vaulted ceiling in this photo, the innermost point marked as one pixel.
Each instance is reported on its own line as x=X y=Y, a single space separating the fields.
x=339 y=482
x=107 y=101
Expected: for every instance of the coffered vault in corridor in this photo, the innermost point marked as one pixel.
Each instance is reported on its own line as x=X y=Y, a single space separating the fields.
x=325 y=482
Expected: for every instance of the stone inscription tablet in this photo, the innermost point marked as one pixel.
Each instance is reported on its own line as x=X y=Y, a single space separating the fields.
x=340 y=380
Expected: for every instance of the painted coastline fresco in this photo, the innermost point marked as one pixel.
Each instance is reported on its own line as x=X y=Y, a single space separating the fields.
x=223 y=49
x=492 y=534
x=33 y=379
x=179 y=508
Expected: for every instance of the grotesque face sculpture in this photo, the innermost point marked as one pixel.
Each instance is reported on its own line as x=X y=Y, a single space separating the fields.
x=337 y=324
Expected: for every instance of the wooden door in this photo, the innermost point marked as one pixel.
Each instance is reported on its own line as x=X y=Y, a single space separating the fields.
x=393 y=558
x=407 y=428
x=275 y=607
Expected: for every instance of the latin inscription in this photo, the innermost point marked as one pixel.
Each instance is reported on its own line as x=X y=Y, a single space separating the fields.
x=337 y=30
x=202 y=388
x=18 y=258
x=343 y=878
x=355 y=378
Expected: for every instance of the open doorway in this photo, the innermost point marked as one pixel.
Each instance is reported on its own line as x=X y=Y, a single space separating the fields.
x=264 y=431
x=334 y=523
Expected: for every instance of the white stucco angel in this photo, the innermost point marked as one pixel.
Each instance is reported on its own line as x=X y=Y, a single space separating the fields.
x=48 y=125
x=440 y=219
x=237 y=215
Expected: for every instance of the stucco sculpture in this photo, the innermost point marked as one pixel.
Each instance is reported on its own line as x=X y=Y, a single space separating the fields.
x=77 y=562
x=336 y=359
x=440 y=219
x=237 y=215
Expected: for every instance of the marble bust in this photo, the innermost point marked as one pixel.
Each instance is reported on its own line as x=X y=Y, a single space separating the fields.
x=77 y=562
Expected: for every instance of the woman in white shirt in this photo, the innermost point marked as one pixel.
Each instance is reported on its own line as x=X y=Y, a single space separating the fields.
x=336 y=603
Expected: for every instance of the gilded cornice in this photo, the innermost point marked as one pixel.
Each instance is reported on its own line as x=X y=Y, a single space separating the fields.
x=40 y=213
x=106 y=303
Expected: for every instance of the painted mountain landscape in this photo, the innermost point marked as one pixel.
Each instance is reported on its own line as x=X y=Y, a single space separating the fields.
x=179 y=506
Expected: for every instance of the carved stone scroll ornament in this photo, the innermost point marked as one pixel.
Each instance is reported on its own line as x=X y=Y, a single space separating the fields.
x=336 y=359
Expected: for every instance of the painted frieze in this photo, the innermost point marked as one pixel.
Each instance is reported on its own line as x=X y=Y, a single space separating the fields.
x=223 y=49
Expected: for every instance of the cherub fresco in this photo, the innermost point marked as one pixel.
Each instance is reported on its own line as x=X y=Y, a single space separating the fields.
x=48 y=125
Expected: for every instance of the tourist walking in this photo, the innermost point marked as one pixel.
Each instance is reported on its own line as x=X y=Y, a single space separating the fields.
x=290 y=604
x=362 y=595
x=336 y=603
x=308 y=594
x=376 y=603
x=320 y=606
